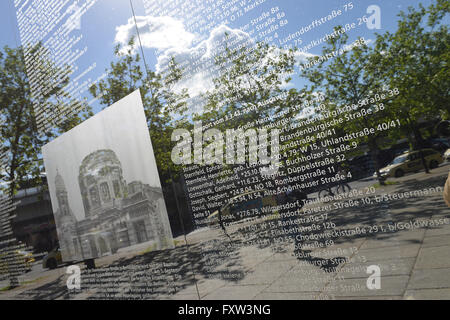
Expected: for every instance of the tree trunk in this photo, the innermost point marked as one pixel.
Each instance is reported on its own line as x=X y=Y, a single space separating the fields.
x=420 y=145
x=374 y=151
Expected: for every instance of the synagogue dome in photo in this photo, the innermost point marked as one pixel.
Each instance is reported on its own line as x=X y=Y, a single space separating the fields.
x=101 y=181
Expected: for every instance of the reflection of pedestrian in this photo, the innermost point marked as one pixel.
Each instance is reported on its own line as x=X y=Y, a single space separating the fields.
x=447 y=191
x=287 y=216
x=343 y=171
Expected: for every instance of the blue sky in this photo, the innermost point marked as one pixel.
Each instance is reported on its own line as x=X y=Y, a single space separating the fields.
x=99 y=28
x=8 y=24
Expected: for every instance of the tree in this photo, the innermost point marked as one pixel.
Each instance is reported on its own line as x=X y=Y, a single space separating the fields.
x=255 y=79
x=251 y=90
x=346 y=75
x=18 y=132
x=415 y=60
x=20 y=138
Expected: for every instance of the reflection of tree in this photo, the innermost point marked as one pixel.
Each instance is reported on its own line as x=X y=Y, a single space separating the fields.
x=410 y=63
x=19 y=135
x=24 y=102
x=415 y=60
x=347 y=79
x=250 y=77
x=217 y=256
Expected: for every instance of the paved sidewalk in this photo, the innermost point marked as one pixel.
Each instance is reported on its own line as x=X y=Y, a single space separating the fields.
x=414 y=262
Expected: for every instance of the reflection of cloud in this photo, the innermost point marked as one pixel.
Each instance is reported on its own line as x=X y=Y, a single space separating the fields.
x=74 y=21
x=160 y=33
x=169 y=36
x=201 y=58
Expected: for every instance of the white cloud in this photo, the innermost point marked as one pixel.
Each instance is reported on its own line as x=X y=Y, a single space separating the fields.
x=302 y=57
x=74 y=20
x=191 y=53
x=201 y=59
x=160 y=33
x=169 y=36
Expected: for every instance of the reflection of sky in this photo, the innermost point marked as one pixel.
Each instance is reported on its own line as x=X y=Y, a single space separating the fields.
x=108 y=21
x=298 y=13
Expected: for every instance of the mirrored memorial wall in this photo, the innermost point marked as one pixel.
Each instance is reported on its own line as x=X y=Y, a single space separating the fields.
x=281 y=145
x=12 y=251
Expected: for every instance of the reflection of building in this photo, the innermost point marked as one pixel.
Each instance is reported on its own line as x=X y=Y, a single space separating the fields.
x=34 y=223
x=117 y=214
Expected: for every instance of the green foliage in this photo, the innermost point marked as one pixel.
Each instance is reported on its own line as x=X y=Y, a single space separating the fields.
x=20 y=139
x=347 y=79
x=415 y=59
x=248 y=79
x=413 y=62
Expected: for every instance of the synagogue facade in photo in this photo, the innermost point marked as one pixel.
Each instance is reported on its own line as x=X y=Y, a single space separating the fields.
x=117 y=214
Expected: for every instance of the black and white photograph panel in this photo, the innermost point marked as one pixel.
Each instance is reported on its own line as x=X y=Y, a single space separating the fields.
x=104 y=185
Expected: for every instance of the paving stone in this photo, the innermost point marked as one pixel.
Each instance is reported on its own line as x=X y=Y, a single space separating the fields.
x=390 y=286
x=388 y=268
x=436 y=241
x=288 y=296
x=433 y=257
x=206 y=286
x=428 y=294
x=189 y=290
x=267 y=272
x=394 y=240
x=246 y=292
x=437 y=231
x=283 y=256
x=430 y=278
x=389 y=253
x=370 y=298
x=301 y=279
x=181 y=297
x=252 y=256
